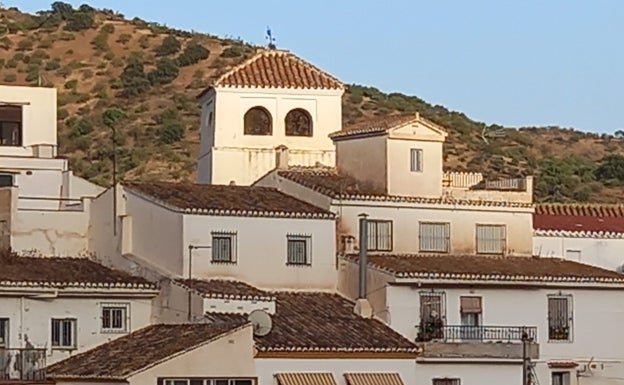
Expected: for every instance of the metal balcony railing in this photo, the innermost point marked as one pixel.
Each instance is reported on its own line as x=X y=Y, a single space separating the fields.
x=22 y=364
x=447 y=333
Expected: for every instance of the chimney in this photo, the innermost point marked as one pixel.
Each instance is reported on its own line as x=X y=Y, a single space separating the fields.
x=281 y=157
x=362 y=305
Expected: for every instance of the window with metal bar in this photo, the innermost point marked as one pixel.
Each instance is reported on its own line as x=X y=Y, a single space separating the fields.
x=64 y=333
x=491 y=239
x=379 y=235
x=560 y=378
x=223 y=247
x=446 y=381
x=434 y=237
x=4 y=332
x=115 y=318
x=432 y=314
x=298 y=249
x=204 y=381
x=416 y=160
x=559 y=318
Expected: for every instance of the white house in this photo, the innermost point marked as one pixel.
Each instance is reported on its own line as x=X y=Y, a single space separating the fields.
x=587 y=233
x=469 y=315
x=256 y=234
x=314 y=338
x=273 y=99
x=45 y=207
x=391 y=170
x=52 y=308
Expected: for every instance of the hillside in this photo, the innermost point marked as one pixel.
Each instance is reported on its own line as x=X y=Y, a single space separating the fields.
x=151 y=74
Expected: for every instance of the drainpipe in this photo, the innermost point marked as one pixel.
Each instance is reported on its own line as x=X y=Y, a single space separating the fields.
x=362 y=305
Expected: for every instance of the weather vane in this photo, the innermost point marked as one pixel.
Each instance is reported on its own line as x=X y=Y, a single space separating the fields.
x=270 y=39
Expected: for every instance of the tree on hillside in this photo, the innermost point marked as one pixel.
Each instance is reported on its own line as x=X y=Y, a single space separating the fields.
x=165 y=72
x=611 y=169
x=169 y=46
x=193 y=53
x=134 y=79
x=64 y=10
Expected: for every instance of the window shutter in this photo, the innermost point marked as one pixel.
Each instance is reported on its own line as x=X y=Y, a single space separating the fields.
x=471 y=305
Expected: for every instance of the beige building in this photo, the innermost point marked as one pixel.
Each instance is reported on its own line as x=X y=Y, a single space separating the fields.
x=273 y=99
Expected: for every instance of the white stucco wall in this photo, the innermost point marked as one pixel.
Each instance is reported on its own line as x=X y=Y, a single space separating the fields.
x=403 y=181
x=268 y=367
x=32 y=317
x=261 y=251
x=602 y=252
x=226 y=154
x=38 y=114
x=472 y=373
x=462 y=219
x=365 y=160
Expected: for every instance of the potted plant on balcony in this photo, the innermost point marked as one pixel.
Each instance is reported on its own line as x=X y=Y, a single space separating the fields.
x=431 y=329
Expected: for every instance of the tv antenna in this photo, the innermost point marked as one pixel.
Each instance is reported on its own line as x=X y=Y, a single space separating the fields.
x=270 y=39
x=261 y=322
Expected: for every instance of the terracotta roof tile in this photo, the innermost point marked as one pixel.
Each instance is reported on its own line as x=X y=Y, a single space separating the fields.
x=123 y=356
x=63 y=272
x=486 y=268
x=226 y=289
x=328 y=181
x=589 y=220
x=306 y=321
x=277 y=69
x=381 y=125
x=228 y=200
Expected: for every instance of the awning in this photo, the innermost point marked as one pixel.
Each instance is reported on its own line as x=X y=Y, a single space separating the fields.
x=373 y=379
x=305 y=379
x=470 y=305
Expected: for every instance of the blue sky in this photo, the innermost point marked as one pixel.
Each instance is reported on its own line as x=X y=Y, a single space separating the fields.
x=516 y=63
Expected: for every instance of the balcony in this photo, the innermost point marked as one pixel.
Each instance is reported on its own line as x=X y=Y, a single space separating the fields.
x=19 y=365
x=502 y=342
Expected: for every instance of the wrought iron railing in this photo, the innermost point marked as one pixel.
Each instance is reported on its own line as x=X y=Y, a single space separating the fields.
x=22 y=364
x=447 y=333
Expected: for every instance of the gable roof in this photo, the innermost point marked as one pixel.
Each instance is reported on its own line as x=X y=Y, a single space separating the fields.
x=222 y=200
x=226 y=289
x=329 y=182
x=489 y=268
x=579 y=220
x=124 y=356
x=324 y=322
x=383 y=125
x=19 y=271
x=278 y=69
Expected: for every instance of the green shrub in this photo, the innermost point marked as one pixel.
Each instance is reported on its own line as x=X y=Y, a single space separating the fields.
x=25 y=44
x=67 y=36
x=82 y=127
x=11 y=63
x=171 y=132
x=144 y=42
x=165 y=72
x=10 y=78
x=236 y=50
x=124 y=38
x=46 y=43
x=71 y=84
x=80 y=21
x=134 y=79
x=40 y=54
x=193 y=53
x=62 y=114
x=53 y=64
x=6 y=43
x=109 y=55
x=100 y=42
x=108 y=28
x=117 y=62
x=2 y=62
x=169 y=46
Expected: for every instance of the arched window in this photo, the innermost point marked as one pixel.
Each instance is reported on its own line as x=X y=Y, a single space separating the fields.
x=258 y=122
x=298 y=123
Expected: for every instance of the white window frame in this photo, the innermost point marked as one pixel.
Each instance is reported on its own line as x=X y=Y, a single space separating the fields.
x=482 y=245
x=217 y=236
x=205 y=381
x=378 y=241
x=445 y=238
x=569 y=320
x=564 y=378
x=110 y=307
x=4 y=332
x=73 y=337
x=416 y=160
x=292 y=260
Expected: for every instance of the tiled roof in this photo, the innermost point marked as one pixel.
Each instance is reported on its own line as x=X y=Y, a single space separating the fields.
x=277 y=69
x=17 y=271
x=126 y=355
x=226 y=289
x=227 y=200
x=579 y=220
x=323 y=322
x=490 y=268
x=327 y=181
x=381 y=125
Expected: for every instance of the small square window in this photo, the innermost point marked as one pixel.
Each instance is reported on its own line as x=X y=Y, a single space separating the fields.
x=416 y=160
x=64 y=333
x=115 y=318
x=299 y=250
x=560 y=378
x=223 y=247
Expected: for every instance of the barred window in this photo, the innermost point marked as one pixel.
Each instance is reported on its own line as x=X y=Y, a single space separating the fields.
x=491 y=239
x=560 y=317
x=434 y=237
x=299 y=249
x=416 y=160
x=446 y=381
x=64 y=333
x=204 y=381
x=115 y=317
x=4 y=332
x=223 y=247
x=379 y=235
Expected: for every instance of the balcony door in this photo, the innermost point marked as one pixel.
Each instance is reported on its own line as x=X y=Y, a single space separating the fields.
x=471 y=318
x=432 y=315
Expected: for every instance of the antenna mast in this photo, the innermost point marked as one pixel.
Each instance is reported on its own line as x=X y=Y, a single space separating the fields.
x=270 y=39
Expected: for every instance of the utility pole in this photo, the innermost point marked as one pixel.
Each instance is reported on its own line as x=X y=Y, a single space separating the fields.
x=526 y=359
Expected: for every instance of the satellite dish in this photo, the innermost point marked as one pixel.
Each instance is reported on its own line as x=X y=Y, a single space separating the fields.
x=261 y=322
